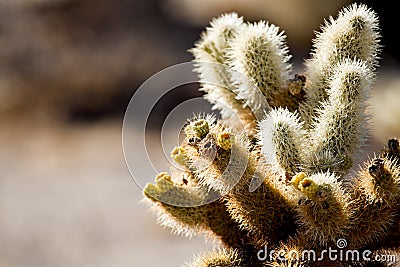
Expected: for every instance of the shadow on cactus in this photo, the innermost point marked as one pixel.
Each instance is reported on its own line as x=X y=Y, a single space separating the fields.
x=279 y=158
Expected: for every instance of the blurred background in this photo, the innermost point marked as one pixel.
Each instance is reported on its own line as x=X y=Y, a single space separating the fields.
x=68 y=69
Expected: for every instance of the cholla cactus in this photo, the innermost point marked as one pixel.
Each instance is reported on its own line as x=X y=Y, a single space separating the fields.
x=283 y=182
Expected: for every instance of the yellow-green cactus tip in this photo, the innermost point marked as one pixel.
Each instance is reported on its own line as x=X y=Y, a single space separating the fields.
x=151 y=191
x=178 y=154
x=164 y=182
x=224 y=140
x=189 y=130
x=297 y=179
x=199 y=128
x=163 y=176
x=308 y=187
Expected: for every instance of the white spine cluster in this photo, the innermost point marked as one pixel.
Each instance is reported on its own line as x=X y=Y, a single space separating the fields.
x=340 y=127
x=210 y=54
x=282 y=140
x=212 y=48
x=259 y=63
x=215 y=38
x=354 y=35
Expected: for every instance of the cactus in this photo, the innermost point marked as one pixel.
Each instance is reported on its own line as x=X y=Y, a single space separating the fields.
x=283 y=181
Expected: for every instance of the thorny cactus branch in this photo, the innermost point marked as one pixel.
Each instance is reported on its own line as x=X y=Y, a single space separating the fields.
x=323 y=208
x=339 y=127
x=282 y=141
x=259 y=60
x=271 y=172
x=353 y=35
x=190 y=216
x=376 y=197
x=211 y=59
x=222 y=258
